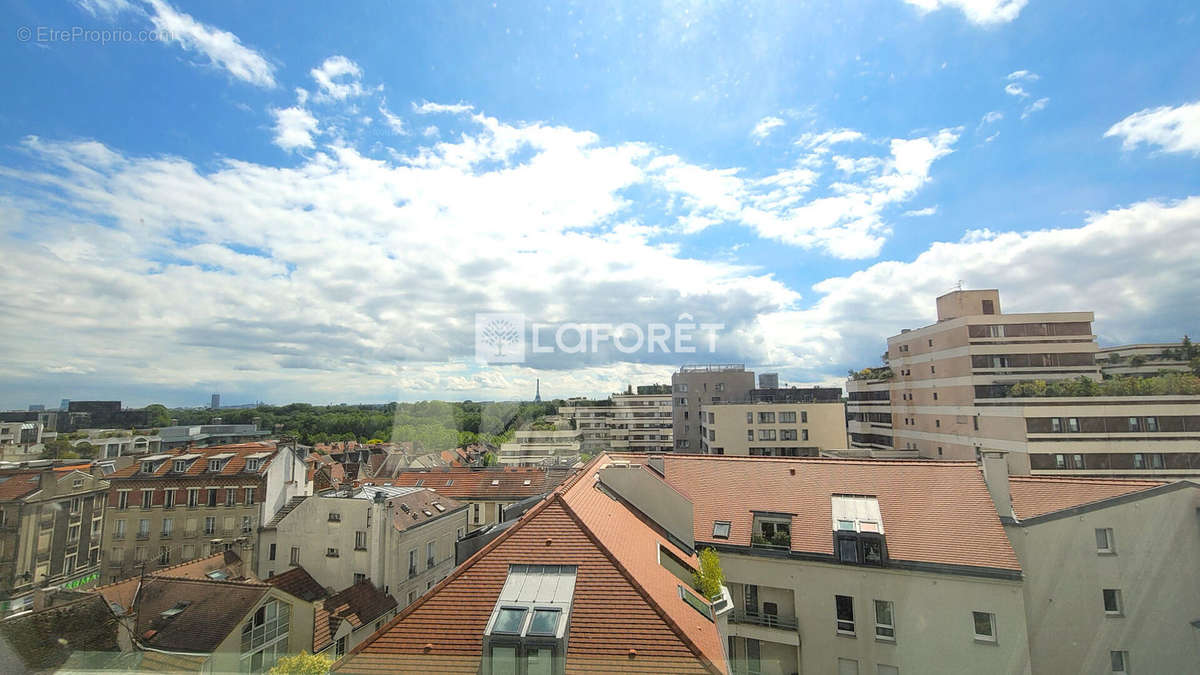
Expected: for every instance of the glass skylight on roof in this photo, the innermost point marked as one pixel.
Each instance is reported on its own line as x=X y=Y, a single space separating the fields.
x=439 y=507
x=721 y=529
x=496 y=482
x=509 y=620
x=852 y=512
x=545 y=621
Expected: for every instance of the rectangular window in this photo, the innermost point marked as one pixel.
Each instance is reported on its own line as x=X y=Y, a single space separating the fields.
x=247 y=525
x=985 y=626
x=335 y=517
x=164 y=555
x=143 y=528
x=271 y=552
x=123 y=499
x=787 y=434
x=430 y=555
x=73 y=534
x=847 y=666
x=1112 y=602
x=845 y=614
x=193 y=497
x=787 y=417
x=168 y=526
x=749 y=418
x=766 y=434
x=766 y=418
x=331 y=552
x=412 y=563
x=212 y=497
x=189 y=551
x=169 y=498
x=230 y=496
x=249 y=501
x=210 y=525
x=804 y=434
x=1133 y=424
x=1120 y=661
x=1055 y=424
x=360 y=540
x=1060 y=461
x=147 y=498
x=1073 y=425
x=721 y=529
x=475 y=512
x=749 y=434
x=1151 y=424
x=1139 y=460
x=885 y=623
x=295 y=559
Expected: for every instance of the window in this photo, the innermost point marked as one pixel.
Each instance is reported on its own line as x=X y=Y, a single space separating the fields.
x=1060 y=461
x=331 y=552
x=360 y=540
x=681 y=388
x=335 y=517
x=766 y=434
x=180 y=465
x=193 y=497
x=932 y=369
x=147 y=498
x=1073 y=425
x=1133 y=424
x=168 y=526
x=475 y=512
x=249 y=500
x=721 y=529
x=210 y=525
x=787 y=417
x=749 y=418
x=119 y=531
x=1151 y=424
x=430 y=554
x=935 y=397
x=271 y=552
x=189 y=551
x=265 y=637
x=988 y=307
x=766 y=418
x=164 y=555
x=975 y=420
x=847 y=666
x=845 y=614
x=1139 y=460
x=1156 y=460
x=339 y=648
x=1055 y=424
x=885 y=624
x=247 y=525
x=749 y=434
x=804 y=434
x=252 y=464
x=412 y=563
x=123 y=499
x=75 y=504
x=212 y=497
x=169 y=498
x=295 y=559
x=772 y=532
x=787 y=434
x=143 y=528
x=985 y=626
x=73 y=534
x=1112 y=602
x=1120 y=661
x=883 y=669
x=359 y=577
x=230 y=496
x=214 y=465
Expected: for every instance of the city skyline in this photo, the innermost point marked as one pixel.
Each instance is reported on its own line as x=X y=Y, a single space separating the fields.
x=265 y=210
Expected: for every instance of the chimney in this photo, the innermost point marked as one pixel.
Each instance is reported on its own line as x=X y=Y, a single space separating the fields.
x=995 y=474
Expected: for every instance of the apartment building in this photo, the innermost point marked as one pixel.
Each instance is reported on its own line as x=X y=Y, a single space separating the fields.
x=581 y=583
x=953 y=389
x=50 y=531
x=696 y=386
x=401 y=539
x=341 y=620
x=20 y=438
x=1143 y=359
x=209 y=435
x=110 y=443
x=627 y=422
x=485 y=491
x=171 y=507
x=779 y=429
x=534 y=447
x=1103 y=588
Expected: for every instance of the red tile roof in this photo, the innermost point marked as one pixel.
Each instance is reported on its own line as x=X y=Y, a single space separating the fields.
x=122 y=592
x=626 y=616
x=473 y=484
x=418 y=503
x=358 y=604
x=17 y=484
x=1039 y=495
x=199 y=467
x=933 y=512
x=298 y=582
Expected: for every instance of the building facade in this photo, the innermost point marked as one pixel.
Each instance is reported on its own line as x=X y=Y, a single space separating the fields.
x=50 y=532
x=400 y=539
x=485 y=491
x=772 y=429
x=696 y=386
x=950 y=391
x=533 y=447
x=172 y=507
x=627 y=422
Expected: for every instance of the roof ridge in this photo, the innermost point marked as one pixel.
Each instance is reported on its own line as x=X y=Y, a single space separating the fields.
x=683 y=635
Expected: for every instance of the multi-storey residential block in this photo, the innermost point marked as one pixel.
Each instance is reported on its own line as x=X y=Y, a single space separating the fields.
x=20 y=439
x=341 y=620
x=485 y=491
x=207 y=435
x=696 y=386
x=110 y=443
x=534 y=447
x=1103 y=588
x=175 y=506
x=630 y=422
x=50 y=531
x=1144 y=359
x=401 y=539
x=970 y=383
x=783 y=428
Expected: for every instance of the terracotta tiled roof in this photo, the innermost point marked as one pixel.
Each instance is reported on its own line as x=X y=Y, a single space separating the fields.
x=617 y=624
x=17 y=484
x=418 y=504
x=234 y=466
x=1039 y=495
x=933 y=512
x=122 y=592
x=358 y=604
x=298 y=582
x=470 y=484
x=214 y=610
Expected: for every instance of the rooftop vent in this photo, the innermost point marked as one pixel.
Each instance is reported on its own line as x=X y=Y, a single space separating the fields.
x=439 y=507
x=427 y=512
x=404 y=508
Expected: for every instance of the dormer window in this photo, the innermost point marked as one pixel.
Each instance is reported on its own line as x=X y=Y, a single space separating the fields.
x=772 y=530
x=253 y=464
x=180 y=466
x=214 y=465
x=528 y=629
x=858 y=536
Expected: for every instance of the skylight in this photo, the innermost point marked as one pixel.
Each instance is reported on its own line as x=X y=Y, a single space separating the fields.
x=439 y=507
x=530 y=619
x=495 y=482
x=721 y=529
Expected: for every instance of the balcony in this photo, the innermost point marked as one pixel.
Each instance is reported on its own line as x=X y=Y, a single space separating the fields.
x=781 y=621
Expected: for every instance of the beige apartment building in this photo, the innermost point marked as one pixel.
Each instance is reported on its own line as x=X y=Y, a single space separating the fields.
x=627 y=422
x=534 y=447
x=172 y=507
x=784 y=429
x=399 y=539
x=696 y=386
x=946 y=393
x=1142 y=359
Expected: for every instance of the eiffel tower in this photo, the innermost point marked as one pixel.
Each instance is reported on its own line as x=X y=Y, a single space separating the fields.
x=537 y=395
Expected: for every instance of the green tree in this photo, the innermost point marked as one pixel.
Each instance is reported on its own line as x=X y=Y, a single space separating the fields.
x=1194 y=364
x=302 y=664
x=158 y=414
x=489 y=459
x=709 y=578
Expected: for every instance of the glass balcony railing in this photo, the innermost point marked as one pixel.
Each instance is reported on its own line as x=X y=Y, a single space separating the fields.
x=781 y=621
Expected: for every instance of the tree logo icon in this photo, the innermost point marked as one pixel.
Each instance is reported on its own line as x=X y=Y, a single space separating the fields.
x=500 y=338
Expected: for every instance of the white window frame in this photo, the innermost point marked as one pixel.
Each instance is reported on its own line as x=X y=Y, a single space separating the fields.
x=885 y=627
x=1108 y=547
x=991 y=622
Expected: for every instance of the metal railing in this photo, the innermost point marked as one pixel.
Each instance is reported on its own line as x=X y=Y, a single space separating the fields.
x=781 y=621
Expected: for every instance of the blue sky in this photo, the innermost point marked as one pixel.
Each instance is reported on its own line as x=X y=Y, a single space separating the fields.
x=310 y=201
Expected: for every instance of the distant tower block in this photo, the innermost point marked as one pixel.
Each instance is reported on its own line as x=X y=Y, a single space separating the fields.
x=768 y=381
x=216 y=401
x=537 y=395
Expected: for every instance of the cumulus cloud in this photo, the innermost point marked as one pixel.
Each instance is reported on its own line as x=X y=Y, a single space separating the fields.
x=927 y=211
x=979 y=12
x=1023 y=75
x=765 y=126
x=338 y=78
x=1036 y=106
x=1014 y=89
x=222 y=48
x=430 y=108
x=991 y=117
x=294 y=128
x=1173 y=129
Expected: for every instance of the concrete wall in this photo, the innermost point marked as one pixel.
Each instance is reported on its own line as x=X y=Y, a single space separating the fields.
x=933 y=620
x=1157 y=544
x=703 y=387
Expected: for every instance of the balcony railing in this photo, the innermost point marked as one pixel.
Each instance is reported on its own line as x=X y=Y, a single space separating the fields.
x=783 y=622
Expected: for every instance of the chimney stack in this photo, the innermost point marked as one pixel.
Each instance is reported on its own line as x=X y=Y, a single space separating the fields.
x=995 y=474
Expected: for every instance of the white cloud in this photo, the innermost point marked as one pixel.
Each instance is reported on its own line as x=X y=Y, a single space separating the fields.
x=822 y=142
x=980 y=12
x=1016 y=90
x=765 y=126
x=429 y=131
x=394 y=122
x=1023 y=75
x=338 y=78
x=927 y=211
x=294 y=128
x=223 y=48
x=1036 y=106
x=991 y=117
x=1174 y=129
x=429 y=108
x=104 y=7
